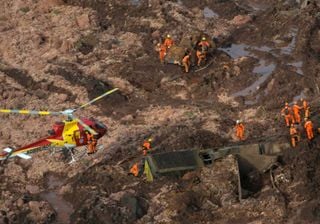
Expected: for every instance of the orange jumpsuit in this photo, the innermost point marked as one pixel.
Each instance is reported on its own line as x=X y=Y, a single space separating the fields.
x=309 y=129
x=204 y=43
x=186 y=62
x=304 y=104
x=288 y=117
x=135 y=169
x=92 y=143
x=240 y=131
x=168 y=42
x=162 y=52
x=296 y=113
x=201 y=56
x=146 y=147
x=294 y=136
x=306 y=108
x=307 y=112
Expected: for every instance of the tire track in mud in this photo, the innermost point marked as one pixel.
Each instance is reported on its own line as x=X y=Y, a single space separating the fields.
x=41 y=89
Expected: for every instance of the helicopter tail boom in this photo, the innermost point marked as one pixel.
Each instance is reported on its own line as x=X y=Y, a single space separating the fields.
x=9 y=152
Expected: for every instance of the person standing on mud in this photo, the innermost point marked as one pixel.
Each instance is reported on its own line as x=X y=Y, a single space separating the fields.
x=92 y=143
x=295 y=137
x=308 y=126
x=201 y=55
x=288 y=116
x=186 y=61
x=161 y=48
x=168 y=42
x=296 y=112
x=239 y=130
x=146 y=146
x=134 y=170
x=204 y=43
x=202 y=49
x=307 y=112
x=306 y=108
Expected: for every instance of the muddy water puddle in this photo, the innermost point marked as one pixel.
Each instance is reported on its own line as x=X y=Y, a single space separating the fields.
x=62 y=207
x=135 y=2
x=297 y=67
x=209 y=13
x=264 y=69
x=287 y=50
x=237 y=50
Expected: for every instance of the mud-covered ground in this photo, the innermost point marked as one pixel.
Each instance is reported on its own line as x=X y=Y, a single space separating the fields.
x=57 y=54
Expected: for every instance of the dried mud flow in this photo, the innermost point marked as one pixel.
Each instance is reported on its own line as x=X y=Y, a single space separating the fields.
x=58 y=54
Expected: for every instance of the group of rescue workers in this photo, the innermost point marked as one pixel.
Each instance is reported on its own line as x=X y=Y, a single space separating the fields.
x=201 y=51
x=292 y=115
x=293 y=120
x=138 y=166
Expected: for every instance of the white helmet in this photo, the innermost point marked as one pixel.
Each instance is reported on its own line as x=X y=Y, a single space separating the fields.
x=238 y=121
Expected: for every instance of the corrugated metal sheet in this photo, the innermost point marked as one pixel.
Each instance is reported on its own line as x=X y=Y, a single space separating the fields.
x=175 y=161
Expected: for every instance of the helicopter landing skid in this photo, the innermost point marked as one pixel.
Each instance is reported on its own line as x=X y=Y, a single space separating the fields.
x=72 y=156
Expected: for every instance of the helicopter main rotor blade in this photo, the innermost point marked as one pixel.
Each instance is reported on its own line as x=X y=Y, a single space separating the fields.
x=86 y=127
x=33 y=112
x=98 y=98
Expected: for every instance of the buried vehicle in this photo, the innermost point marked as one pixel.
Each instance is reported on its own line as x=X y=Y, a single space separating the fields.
x=252 y=161
x=188 y=42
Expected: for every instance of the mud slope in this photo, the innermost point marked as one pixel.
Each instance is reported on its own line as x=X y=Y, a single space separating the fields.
x=59 y=54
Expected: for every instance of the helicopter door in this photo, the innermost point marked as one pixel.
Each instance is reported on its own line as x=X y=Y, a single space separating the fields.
x=79 y=137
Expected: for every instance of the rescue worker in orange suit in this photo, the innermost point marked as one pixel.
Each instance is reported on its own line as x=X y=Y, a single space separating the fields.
x=296 y=112
x=288 y=116
x=304 y=103
x=135 y=170
x=295 y=137
x=306 y=108
x=146 y=146
x=161 y=48
x=308 y=126
x=168 y=42
x=204 y=42
x=239 y=130
x=92 y=143
x=201 y=53
x=186 y=61
x=307 y=112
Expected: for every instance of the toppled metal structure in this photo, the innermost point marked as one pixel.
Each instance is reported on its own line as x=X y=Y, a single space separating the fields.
x=252 y=159
x=174 y=162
